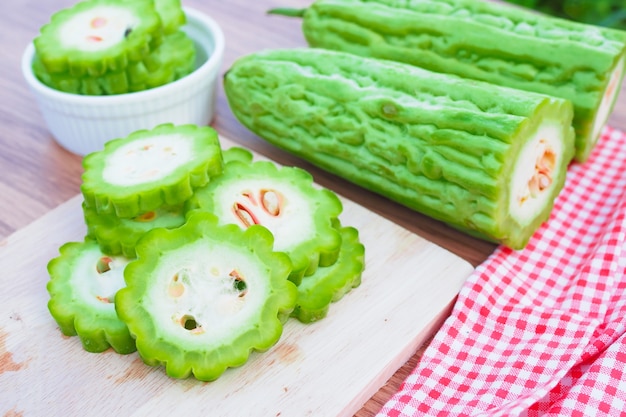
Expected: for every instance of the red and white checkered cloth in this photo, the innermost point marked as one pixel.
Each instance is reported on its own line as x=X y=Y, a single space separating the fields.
x=541 y=331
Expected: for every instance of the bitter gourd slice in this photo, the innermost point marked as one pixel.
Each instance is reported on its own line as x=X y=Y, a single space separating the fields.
x=97 y=36
x=200 y=297
x=282 y=199
x=487 y=159
x=170 y=61
x=487 y=41
x=330 y=283
x=176 y=58
x=112 y=82
x=171 y=13
x=82 y=286
x=119 y=236
x=236 y=153
x=150 y=168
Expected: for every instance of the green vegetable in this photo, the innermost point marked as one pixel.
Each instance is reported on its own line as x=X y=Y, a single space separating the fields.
x=170 y=61
x=175 y=58
x=170 y=12
x=201 y=297
x=237 y=153
x=329 y=284
x=82 y=286
x=285 y=201
x=119 y=236
x=97 y=36
x=486 y=41
x=150 y=168
x=486 y=159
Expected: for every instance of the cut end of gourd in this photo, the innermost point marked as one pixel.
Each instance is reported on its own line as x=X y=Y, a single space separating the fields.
x=536 y=173
x=608 y=99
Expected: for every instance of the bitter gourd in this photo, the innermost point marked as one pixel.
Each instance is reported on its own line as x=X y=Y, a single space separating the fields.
x=97 y=36
x=119 y=236
x=150 y=168
x=487 y=159
x=483 y=40
x=171 y=13
x=172 y=59
x=199 y=298
x=82 y=287
x=282 y=199
x=330 y=283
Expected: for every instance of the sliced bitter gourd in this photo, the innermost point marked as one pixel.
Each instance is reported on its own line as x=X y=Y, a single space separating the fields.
x=201 y=297
x=119 y=236
x=285 y=201
x=237 y=153
x=150 y=168
x=171 y=13
x=176 y=58
x=483 y=40
x=487 y=159
x=112 y=82
x=82 y=286
x=97 y=36
x=330 y=283
x=170 y=61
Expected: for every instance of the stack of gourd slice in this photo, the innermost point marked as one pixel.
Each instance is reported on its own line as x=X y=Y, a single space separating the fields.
x=196 y=256
x=104 y=47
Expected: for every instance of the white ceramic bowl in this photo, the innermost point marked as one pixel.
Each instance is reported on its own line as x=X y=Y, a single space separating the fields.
x=82 y=124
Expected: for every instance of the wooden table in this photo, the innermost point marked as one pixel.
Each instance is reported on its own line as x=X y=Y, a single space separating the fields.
x=37 y=174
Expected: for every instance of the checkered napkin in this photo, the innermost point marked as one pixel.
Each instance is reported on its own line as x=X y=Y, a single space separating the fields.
x=541 y=331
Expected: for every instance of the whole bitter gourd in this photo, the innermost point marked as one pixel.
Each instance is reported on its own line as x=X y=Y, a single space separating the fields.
x=487 y=159
x=483 y=40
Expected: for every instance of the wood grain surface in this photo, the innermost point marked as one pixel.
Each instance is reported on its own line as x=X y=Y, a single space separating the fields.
x=37 y=175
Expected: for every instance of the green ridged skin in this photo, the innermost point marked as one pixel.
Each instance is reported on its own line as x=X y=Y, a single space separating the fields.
x=458 y=150
x=172 y=14
x=150 y=168
x=64 y=46
x=482 y=40
x=330 y=283
x=176 y=58
x=119 y=236
x=82 y=287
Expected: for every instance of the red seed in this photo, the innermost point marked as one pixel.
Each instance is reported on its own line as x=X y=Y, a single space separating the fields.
x=244 y=215
x=98 y=22
x=270 y=200
x=104 y=264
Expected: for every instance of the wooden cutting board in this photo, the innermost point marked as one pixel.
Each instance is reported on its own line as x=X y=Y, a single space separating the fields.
x=329 y=368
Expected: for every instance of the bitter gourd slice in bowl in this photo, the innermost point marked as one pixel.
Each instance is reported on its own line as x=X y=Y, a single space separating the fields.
x=201 y=297
x=175 y=57
x=486 y=159
x=82 y=287
x=484 y=40
x=171 y=13
x=282 y=199
x=330 y=283
x=97 y=36
x=171 y=60
x=150 y=168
